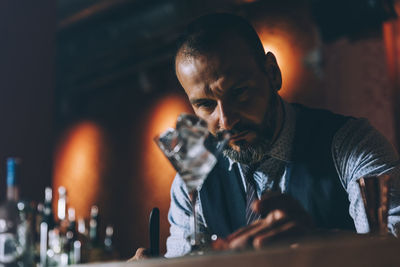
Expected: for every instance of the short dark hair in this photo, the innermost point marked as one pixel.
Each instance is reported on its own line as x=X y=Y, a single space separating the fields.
x=204 y=33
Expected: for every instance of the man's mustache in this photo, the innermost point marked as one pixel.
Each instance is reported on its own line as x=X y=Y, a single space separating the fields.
x=242 y=127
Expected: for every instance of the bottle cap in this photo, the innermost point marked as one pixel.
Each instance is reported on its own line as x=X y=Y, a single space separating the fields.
x=48 y=194
x=81 y=226
x=62 y=190
x=109 y=230
x=94 y=211
x=71 y=214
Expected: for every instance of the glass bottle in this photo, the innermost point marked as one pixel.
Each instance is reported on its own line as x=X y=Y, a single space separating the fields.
x=62 y=203
x=93 y=226
x=48 y=215
x=108 y=244
x=15 y=239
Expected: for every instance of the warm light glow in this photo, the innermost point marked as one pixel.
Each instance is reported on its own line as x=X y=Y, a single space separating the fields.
x=158 y=171
x=391 y=33
x=289 y=59
x=78 y=166
x=390 y=48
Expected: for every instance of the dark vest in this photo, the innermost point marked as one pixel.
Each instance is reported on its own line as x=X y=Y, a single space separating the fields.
x=312 y=179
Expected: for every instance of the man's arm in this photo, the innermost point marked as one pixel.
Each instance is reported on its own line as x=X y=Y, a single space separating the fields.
x=360 y=150
x=179 y=218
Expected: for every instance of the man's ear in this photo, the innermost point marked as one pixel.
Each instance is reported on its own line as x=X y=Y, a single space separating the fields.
x=273 y=71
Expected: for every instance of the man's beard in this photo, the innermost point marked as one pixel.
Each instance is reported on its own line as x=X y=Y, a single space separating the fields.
x=254 y=152
x=249 y=153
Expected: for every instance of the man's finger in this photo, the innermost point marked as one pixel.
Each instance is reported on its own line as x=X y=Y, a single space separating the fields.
x=272 y=201
x=141 y=253
x=243 y=230
x=244 y=237
x=288 y=229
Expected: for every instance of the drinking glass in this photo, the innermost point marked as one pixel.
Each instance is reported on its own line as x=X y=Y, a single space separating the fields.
x=193 y=152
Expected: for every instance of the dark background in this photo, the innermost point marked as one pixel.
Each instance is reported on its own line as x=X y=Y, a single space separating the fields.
x=85 y=85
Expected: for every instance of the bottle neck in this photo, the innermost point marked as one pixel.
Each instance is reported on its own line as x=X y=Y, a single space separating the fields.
x=61 y=208
x=93 y=229
x=12 y=174
x=12 y=193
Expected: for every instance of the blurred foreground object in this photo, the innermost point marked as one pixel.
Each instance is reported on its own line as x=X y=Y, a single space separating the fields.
x=154 y=229
x=193 y=152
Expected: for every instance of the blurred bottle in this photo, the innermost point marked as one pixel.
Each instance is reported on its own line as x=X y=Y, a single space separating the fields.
x=94 y=227
x=108 y=243
x=82 y=247
x=64 y=253
x=13 y=168
x=38 y=219
x=46 y=226
x=96 y=252
x=25 y=232
x=82 y=227
x=53 y=252
x=62 y=203
x=9 y=218
x=15 y=235
x=48 y=215
x=72 y=236
x=109 y=251
x=71 y=222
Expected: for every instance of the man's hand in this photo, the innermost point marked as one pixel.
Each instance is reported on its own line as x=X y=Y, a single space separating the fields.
x=282 y=218
x=141 y=254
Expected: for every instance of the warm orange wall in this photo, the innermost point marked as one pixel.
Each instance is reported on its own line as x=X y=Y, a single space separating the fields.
x=79 y=162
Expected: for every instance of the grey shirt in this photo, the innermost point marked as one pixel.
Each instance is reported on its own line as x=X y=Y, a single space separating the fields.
x=358 y=150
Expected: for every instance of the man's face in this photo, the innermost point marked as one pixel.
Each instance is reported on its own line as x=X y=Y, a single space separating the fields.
x=231 y=91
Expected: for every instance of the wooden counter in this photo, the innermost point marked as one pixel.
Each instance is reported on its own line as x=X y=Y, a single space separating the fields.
x=339 y=251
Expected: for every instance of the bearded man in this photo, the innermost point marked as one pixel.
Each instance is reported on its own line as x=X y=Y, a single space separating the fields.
x=287 y=168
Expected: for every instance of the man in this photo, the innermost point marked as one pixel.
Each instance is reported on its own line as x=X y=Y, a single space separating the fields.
x=287 y=168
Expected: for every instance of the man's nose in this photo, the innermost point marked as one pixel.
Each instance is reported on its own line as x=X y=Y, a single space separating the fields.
x=227 y=117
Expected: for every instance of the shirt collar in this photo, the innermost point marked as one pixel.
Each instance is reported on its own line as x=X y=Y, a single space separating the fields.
x=282 y=147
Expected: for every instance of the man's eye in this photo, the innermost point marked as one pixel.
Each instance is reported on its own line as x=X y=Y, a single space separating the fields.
x=206 y=105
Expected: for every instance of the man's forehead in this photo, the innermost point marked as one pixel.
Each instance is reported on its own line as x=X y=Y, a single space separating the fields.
x=191 y=65
x=197 y=73
x=212 y=67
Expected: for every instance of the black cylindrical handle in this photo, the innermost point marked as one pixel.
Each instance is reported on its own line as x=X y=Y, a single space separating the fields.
x=155 y=232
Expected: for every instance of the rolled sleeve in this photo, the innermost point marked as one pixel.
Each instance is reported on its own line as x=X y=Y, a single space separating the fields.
x=179 y=219
x=359 y=150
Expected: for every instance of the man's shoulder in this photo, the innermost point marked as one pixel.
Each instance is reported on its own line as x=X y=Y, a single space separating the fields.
x=344 y=123
x=303 y=111
x=317 y=126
